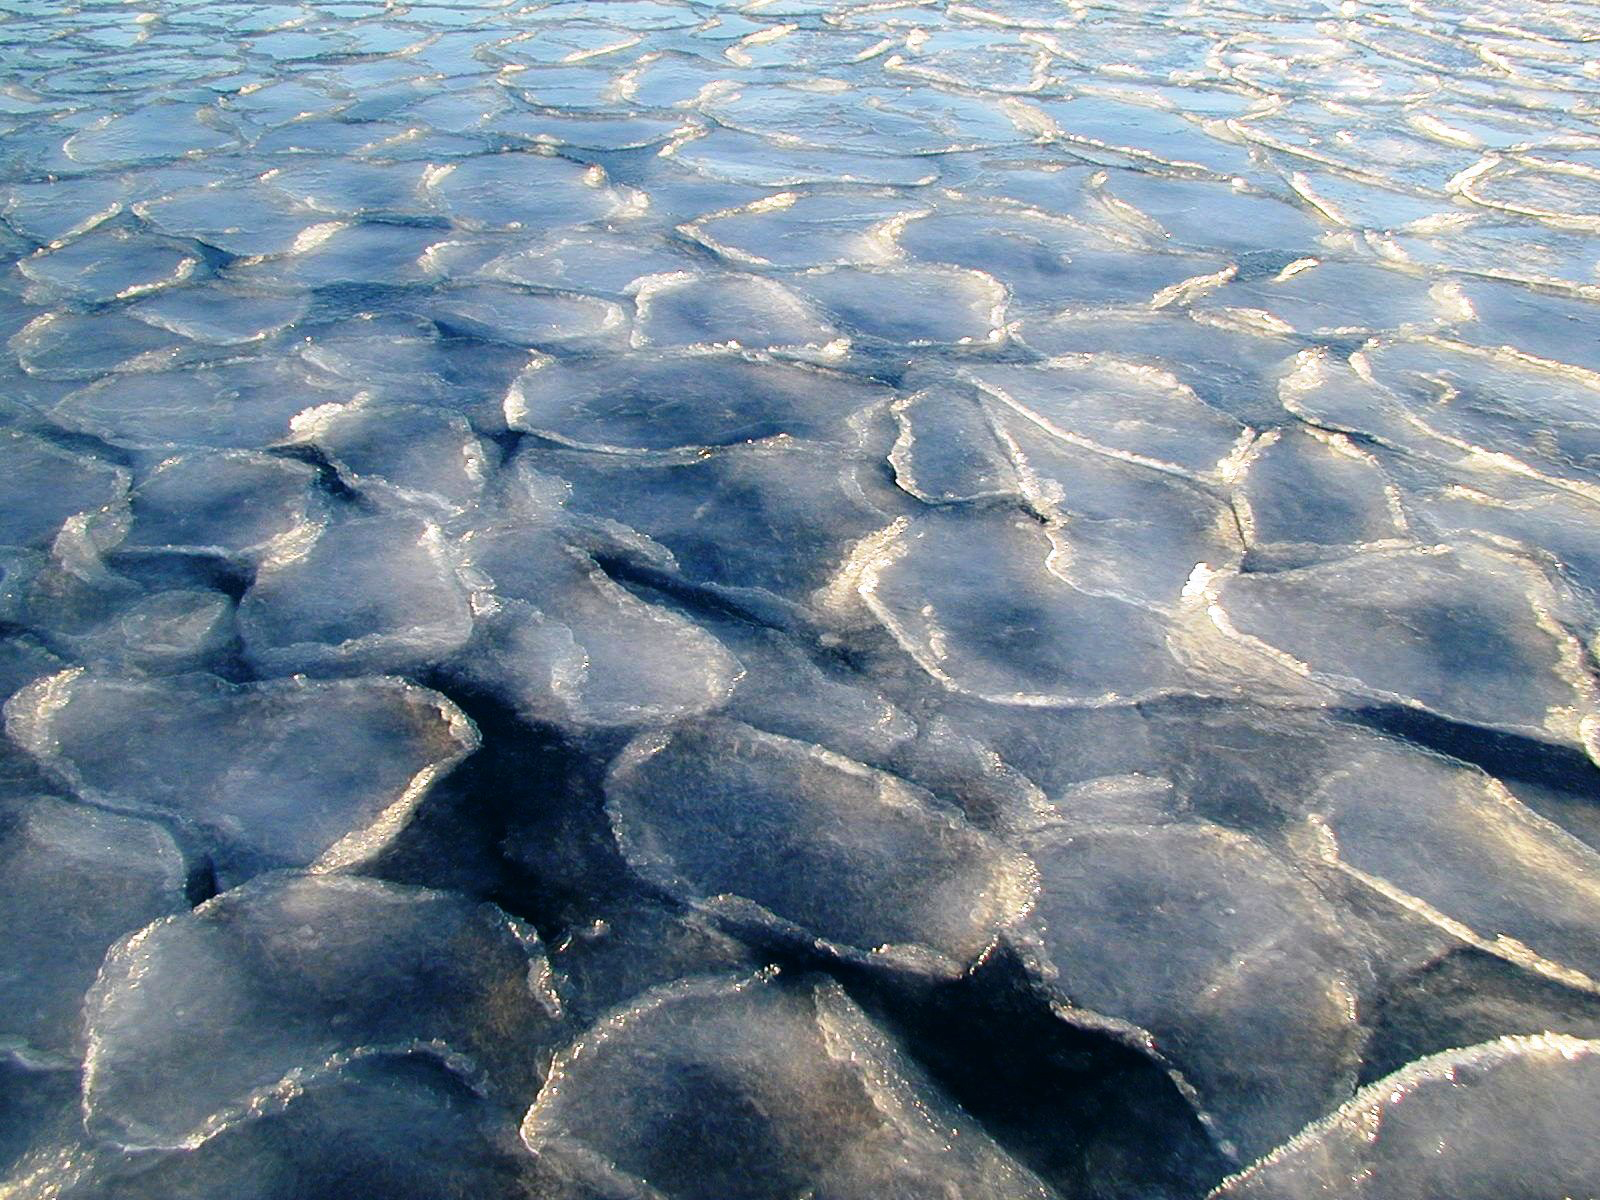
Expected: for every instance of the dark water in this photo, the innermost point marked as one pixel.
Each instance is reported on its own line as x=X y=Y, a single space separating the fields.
x=661 y=600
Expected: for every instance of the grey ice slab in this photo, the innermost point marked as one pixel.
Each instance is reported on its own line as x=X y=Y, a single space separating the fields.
x=518 y=190
x=221 y=314
x=1343 y=300
x=498 y=313
x=667 y=401
x=1125 y=529
x=269 y=774
x=690 y=309
x=1305 y=486
x=91 y=345
x=1539 y=415
x=911 y=305
x=1224 y=953
x=239 y=217
x=163 y=633
x=787 y=690
x=108 y=265
x=806 y=844
x=242 y=403
x=1120 y=406
x=234 y=504
x=1439 y=1127
x=974 y=599
x=58 y=209
x=775 y=516
x=42 y=485
x=734 y=156
x=807 y=229
x=757 y=1087
x=330 y=969
x=75 y=880
x=152 y=132
x=404 y=453
x=401 y=1124
x=1455 y=847
x=1461 y=632
x=563 y=642
x=599 y=262
x=365 y=595
x=633 y=946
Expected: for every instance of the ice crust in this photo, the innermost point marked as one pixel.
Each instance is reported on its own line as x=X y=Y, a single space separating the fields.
x=811 y=598
x=824 y=1098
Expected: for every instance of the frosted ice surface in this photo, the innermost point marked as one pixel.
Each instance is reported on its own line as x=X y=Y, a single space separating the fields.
x=948 y=449
x=1119 y=407
x=757 y=1087
x=56 y=209
x=633 y=946
x=1012 y=585
x=862 y=120
x=1438 y=1127
x=1232 y=366
x=1462 y=632
x=152 y=132
x=88 y=345
x=288 y=773
x=244 y=218
x=243 y=403
x=221 y=314
x=524 y=189
x=403 y=968
x=1537 y=415
x=75 y=879
x=1046 y=260
x=563 y=642
x=602 y=263
x=785 y=690
x=336 y=252
x=751 y=516
x=739 y=157
x=1316 y=487
x=343 y=1127
x=45 y=484
x=504 y=314
x=387 y=350
x=1215 y=214
x=1125 y=529
x=644 y=402
x=1252 y=996
x=795 y=229
x=105 y=266
x=163 y=633
x=351 y=189
x=914 y=306
x=235 y=504
x=739 y=310
x=1540 y=910
x=1343 y=300
x=740 y=822
x=975 y=599
x=418 y=456
x=371 y=594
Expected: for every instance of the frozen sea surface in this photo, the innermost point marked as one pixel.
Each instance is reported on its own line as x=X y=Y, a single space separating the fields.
x=846 y=599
